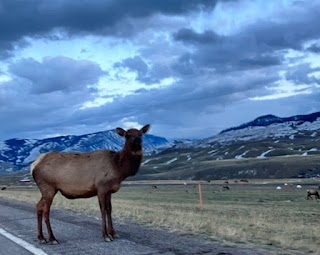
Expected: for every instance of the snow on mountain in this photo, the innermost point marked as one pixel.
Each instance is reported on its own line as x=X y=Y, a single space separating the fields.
x=267 y=120
x=262 y=128
x=272 y=131
x=263 y=155
x=269 y=126
x=21 y=152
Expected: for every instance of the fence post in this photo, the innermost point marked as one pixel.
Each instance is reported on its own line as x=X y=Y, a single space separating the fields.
x=200 y=197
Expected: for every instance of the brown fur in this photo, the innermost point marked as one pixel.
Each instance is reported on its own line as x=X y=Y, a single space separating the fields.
x=86 y=175
x=313 y=192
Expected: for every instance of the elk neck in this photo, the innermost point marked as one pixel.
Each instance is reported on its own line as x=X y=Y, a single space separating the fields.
x=127 y=162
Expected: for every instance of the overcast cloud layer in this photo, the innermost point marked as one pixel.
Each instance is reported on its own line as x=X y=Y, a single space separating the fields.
x=189 y=68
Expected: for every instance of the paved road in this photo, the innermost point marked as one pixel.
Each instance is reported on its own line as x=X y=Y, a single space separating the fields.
x=80 y=234
x=9 y=247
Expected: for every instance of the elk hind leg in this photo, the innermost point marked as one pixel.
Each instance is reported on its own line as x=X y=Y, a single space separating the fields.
x=40 y=208
x=48 y=198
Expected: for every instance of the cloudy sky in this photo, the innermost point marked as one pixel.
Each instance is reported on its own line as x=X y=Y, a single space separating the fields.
x=189 y=68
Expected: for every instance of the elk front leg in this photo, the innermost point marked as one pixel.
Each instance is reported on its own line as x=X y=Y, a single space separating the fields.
x=109 y=211
x=102 y=204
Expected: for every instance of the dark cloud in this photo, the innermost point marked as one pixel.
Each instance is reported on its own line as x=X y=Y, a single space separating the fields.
x=302 y=74
x=23 y=113
x=247 y=110
x=258 y=45
x=136 y=64
x=290 y=31
x=315 y=48
x=231 y=53
x=56 y=74
x=145 y=73
x=190 y=100
x=216 y=76
x=260 y=61
x=33 y=18
x=188 y=35
x=172 y=107
x=44 y=95
x=184 y=65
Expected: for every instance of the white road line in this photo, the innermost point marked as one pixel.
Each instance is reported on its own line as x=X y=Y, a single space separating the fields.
x=22 y=243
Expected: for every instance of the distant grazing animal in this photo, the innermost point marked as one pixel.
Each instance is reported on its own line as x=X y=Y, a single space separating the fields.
x=313 y=192
x=86 y=175
x=3 y=188
x=154 y=186
x=226 y=187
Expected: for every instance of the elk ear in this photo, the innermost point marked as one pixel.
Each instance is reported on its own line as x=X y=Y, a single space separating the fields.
x=145 y=129
x=120 y=131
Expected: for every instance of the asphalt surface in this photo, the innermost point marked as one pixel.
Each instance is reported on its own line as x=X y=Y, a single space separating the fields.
x=9 y=247
x=80 y=234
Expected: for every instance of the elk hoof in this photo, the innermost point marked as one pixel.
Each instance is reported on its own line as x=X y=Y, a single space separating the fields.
x=108 y=238
x=42 y=241
x=53 y=242
x=116 y=236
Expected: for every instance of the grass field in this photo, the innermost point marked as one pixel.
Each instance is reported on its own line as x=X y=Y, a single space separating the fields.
x=204 y=166
x=253 y=214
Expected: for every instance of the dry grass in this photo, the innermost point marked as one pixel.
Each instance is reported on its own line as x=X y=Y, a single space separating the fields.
x=253 y=215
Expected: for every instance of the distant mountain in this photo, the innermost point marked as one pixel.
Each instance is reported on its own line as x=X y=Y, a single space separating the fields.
x=270 y=126
x=267 y=147
x=21 y=152
x=268 y=120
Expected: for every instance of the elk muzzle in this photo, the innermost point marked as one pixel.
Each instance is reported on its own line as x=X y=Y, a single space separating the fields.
x=136 y=144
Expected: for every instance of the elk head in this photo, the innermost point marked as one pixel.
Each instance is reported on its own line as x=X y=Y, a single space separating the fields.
x=133 y=139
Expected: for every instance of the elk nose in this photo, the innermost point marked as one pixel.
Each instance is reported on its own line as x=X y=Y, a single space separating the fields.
x=137 y=140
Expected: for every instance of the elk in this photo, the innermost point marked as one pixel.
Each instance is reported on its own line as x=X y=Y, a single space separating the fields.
x=225 y=187
x=313 y=192
x=84 y=175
